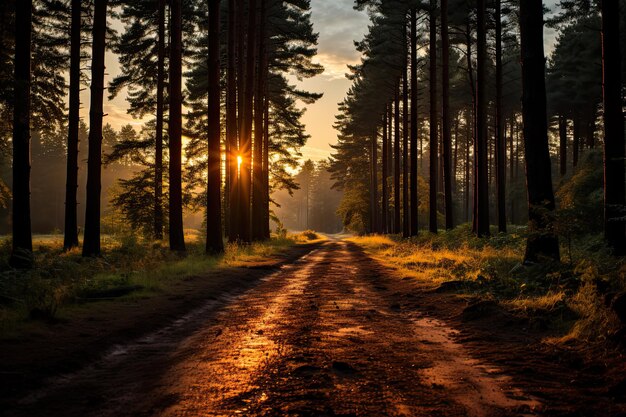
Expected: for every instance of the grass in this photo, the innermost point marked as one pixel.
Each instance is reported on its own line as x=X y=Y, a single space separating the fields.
x=569 y=297
x=128 y=268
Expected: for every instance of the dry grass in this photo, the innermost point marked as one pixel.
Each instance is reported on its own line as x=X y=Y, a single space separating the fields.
x=436 y=263
x=565 y=297
x=127 y=263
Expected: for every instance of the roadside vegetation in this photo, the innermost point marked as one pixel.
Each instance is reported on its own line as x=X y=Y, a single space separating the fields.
x=129 y=268
x=576 y=299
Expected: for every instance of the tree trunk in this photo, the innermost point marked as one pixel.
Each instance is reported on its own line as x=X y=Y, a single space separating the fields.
x=455 y=159
x=245 y=136
x=257 y=165
x=91 y=243
x=385 y=178
x=266 y=157
x=397 y=161
x=406 y=229
x=562 y=145
x=576 y=144
x=591 y=129
x=445 y=115
x=482 y=174
x=158 y=152
x=232 y=182
x=614 y=193
x=468 y=140
x=374 y=184
x=414 y=198
x=512 y=166
x=390 y=163
x=432 y=224
x=214 y=241
x=21 y=256
x=71 y=186
x=512 y=153
x=542 y=242
x=472 y=85
x=266 y=144
x=177 y=237
x=500 y=137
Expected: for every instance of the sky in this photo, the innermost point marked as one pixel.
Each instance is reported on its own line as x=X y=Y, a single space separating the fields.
x=338 y=25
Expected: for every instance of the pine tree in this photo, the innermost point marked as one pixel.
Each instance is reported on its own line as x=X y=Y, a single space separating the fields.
x=614 y=181
x=21 y=256
x=176 y=233
x=542 y=242
x=413 y=124
x=71 y=216
x=433 y=122
x=500 y=140
x=481 y=176
x=214 y=242
x=91 y=242
x=445 y=115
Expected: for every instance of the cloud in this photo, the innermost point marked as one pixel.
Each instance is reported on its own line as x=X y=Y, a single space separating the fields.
x=338 y=25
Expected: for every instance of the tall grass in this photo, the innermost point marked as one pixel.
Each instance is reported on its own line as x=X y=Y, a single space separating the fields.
x=574 y=295
x=128 y=267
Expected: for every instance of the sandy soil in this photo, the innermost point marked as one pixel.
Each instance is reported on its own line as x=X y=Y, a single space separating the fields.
x=331 y=334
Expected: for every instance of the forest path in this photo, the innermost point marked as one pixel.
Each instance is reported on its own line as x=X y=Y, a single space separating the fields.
x=324 y=336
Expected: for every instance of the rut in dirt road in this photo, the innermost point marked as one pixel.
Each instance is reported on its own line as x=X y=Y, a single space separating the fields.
x=325 y=336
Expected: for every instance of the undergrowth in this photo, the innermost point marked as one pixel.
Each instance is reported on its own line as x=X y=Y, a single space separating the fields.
x=572 y=297
x=128 y=267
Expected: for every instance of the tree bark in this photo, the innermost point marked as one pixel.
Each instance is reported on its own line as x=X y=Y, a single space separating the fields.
x=576 y=143
x=406 y=229
x=70 y=239
x=542 y=242
x=397 y=162
x=562 y=145
x=374 y=183
x=257 y=165
x=446 y=136
x=414 y=198
x=390 y=163
x=245 y=136
x=500 y=138
x=468 y=140
x=21 y=256
x=482 y=177
x=158 y=148
x=455 y=158
x=432 y=224
x=266 y=156
x=472 y=85
x=177 y=237
x=91 y=243
x=214 y=240
x=614 y=192
x=385 y=177
x=512 y=149
x=232 y=182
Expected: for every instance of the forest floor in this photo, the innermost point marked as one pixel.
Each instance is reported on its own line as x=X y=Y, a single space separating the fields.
x=329 y=329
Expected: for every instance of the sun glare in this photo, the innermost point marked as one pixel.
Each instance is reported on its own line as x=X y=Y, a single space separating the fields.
x=239 y=160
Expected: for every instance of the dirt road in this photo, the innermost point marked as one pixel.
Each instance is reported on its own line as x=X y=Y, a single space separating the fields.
x=323 y=336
